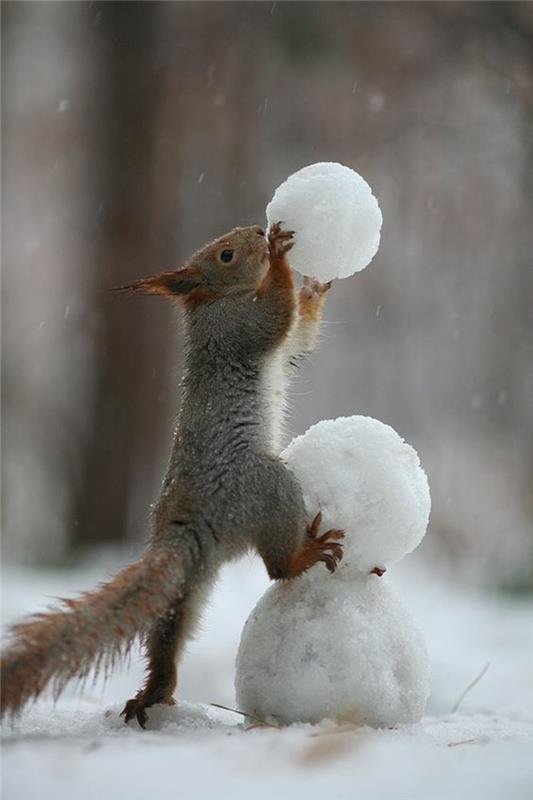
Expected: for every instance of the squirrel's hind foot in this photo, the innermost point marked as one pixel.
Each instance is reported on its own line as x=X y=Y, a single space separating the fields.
x=315 y=548
x=136 y=707
x=326 y=547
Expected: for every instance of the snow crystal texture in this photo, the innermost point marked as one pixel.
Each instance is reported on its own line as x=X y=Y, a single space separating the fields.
x=337 y=649
x=336 y=218
x=483 y=752
x=366 y=480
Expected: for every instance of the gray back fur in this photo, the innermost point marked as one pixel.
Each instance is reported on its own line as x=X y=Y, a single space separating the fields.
x=224 y=491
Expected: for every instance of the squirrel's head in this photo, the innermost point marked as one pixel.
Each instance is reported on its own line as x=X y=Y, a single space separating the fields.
x=231 y=264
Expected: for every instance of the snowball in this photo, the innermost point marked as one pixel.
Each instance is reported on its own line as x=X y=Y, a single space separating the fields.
x=365 y=479
x=336 y=218
x=341 y=649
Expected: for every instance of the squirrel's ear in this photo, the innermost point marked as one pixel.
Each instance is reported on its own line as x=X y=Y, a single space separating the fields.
x=170 y=284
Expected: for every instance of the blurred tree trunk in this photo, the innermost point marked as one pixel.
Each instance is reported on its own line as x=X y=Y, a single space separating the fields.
x=124 y=168
x=48 y=69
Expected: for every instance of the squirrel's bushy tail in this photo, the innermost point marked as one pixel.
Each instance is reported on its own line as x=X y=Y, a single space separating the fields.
x=93 y=630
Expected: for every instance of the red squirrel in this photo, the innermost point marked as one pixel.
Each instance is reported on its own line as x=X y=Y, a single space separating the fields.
x=226 y=491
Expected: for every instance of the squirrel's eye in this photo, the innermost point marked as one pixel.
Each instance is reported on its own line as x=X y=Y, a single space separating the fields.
x=226 y=256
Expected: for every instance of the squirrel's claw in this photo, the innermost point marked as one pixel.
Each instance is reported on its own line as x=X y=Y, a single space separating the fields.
x=279 y=241
x=317 y=548
x=136 y=707
x=329 y=551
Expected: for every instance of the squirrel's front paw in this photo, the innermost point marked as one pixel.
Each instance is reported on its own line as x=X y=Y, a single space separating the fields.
x=312 y=288
x=136 y=707
x=279 y=241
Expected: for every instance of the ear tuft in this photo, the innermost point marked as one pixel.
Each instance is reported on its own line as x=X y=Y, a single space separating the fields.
x=178 y=283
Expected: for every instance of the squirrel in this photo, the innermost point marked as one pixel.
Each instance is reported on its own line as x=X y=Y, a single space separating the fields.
x=226 y=490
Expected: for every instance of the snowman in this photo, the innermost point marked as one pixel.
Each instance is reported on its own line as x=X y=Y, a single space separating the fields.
x=342 y=646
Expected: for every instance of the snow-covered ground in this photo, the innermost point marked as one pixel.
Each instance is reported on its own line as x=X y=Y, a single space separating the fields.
x=80 y=747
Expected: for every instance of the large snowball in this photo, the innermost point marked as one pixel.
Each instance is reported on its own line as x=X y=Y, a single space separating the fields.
x=365 y=479
x=336 y=218
x=341 y=649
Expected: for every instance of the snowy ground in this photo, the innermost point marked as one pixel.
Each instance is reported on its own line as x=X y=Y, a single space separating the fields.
x=485 y=750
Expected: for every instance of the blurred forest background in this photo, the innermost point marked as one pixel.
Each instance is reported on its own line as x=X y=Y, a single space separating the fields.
x=134 y=132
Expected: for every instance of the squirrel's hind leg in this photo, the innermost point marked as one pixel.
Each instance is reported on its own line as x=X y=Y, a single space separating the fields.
x=161 y=651
x=164 y=647
x=287 y=544
x=315 y=547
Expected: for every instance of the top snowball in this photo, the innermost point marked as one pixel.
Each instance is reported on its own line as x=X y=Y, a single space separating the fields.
x=336 y=218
